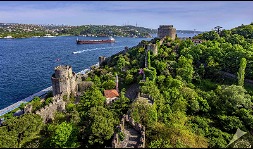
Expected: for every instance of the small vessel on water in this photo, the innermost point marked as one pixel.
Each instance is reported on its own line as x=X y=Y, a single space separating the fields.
x=110 y=40
x=8 y=37
x=48 y=36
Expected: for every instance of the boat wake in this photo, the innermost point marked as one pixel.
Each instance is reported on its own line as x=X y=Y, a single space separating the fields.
x=87 y=50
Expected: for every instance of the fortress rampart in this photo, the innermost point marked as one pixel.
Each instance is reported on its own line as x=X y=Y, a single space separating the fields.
x=47 y=112
x=137 y=126
x=153 y=48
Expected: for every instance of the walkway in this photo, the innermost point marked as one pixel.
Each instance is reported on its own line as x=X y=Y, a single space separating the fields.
x=150 y=102
x=230 y=75
x=131 y=138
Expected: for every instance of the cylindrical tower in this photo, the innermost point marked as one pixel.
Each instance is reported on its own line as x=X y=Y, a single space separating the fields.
x=63 y=80
x=166 y=30
x=73 y=84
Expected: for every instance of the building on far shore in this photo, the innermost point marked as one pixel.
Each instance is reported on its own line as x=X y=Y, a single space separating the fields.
x=166 y=30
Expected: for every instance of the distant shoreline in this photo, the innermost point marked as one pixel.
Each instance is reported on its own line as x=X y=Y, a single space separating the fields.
x=64 y=36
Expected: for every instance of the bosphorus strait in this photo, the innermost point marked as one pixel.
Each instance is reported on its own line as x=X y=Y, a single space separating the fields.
x=26 y=65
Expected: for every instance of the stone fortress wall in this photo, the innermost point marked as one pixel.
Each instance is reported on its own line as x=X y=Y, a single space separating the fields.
x=152 y=47
x=137 y=126
x=47 y=112
x=64 y=81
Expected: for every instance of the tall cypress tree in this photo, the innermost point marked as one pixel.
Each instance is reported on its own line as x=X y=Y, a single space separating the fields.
x=149 y=65
x=240 y=74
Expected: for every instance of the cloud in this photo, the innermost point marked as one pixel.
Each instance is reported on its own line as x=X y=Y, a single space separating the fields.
x=182 y=14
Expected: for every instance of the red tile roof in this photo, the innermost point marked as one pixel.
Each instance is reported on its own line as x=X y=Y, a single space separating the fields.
x=111 y=93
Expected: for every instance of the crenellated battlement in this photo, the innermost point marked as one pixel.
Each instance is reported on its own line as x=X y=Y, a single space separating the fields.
x=47 y=112
x=137 y=126
x=63 y=71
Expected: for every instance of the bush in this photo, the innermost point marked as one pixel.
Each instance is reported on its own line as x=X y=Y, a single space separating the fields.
x=36 y=103
x=70 y=107
x=22 y=106
x=49 y=94
x=65 y=97
x=48 y=101
x=121 y=136
x=129 y=79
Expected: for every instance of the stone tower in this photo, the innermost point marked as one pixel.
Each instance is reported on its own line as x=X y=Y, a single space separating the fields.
x=64 y=81
x=166 y=30
x=101 y=59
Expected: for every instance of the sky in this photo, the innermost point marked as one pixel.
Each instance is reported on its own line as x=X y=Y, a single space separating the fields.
x=183 y=15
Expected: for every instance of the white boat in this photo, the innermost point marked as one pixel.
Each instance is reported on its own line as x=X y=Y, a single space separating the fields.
x=8 y=37
x=48 y=35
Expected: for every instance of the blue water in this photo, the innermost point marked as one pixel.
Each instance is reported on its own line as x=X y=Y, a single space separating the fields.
x=26 y=65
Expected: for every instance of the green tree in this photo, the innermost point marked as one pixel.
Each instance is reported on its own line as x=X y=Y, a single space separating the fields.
x=225 y=33
x=185 y=68
x=121 y=105
x=232 y=98
x=241 y=73
x=150 y=73
x=110 y=84
x=129 y=78
x=236 y=39
x=91 y=98
x=143 y=112
x=212 y=35
x=64 y=135
x=101 y=126
x=22 y=129
x=36 y=103
x=8 y=139
x=97 y=81
x=229 y=123
x=121 y=63
x=149 y=63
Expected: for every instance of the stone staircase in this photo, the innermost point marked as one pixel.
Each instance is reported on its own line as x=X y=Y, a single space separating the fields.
x=131 y=138
x=134 y=134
